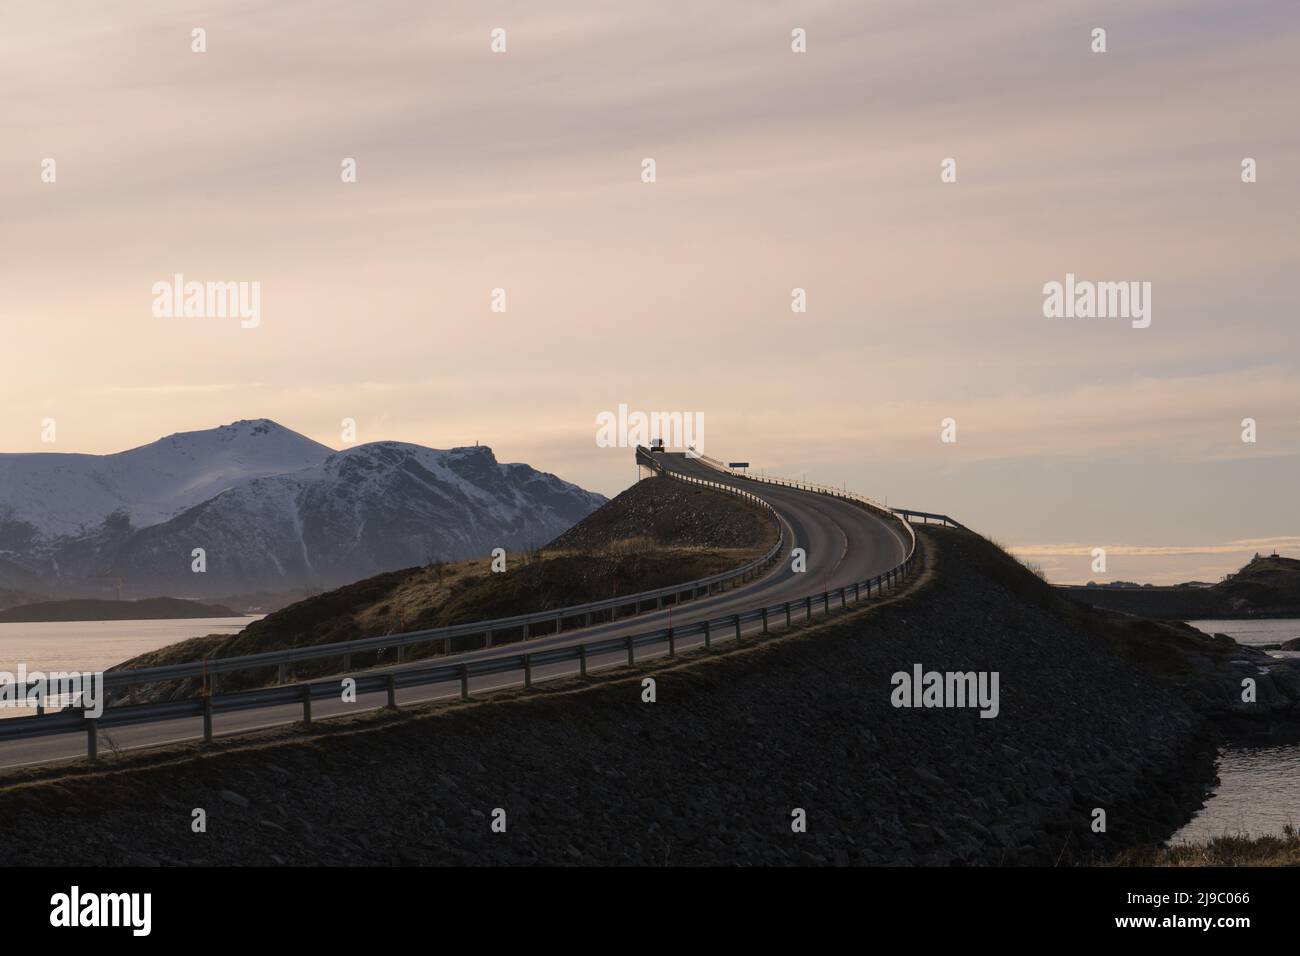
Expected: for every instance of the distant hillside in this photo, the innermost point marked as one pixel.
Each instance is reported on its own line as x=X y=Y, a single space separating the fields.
x=1266 y=587
x=146 y=609
x=12 y=597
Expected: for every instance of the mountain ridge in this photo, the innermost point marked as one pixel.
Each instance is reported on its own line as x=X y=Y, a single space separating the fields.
x=271 y=509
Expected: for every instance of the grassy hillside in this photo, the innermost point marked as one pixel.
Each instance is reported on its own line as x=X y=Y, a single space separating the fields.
x=1281 y=850
x=646 y=538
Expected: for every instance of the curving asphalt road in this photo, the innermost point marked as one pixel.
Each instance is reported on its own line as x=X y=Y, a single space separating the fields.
x=844 y=544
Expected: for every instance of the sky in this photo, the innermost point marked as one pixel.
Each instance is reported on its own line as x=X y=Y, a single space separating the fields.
x=522 y=170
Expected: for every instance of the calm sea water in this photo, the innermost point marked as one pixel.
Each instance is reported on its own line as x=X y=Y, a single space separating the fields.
x=1259 y=787
x=1257 y=795
x=96 y=645
x=1255 y=632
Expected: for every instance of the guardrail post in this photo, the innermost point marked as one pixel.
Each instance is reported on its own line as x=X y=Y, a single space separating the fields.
x=672 y=644
x=280 y=673
x=487 y=641
x=631 y=659
x=857 y=593
x=212 y=683
x=844 y=598
x=826 y=601
x=787 y=613
x=392 y=692
x=207 y=720
x=528 y=670
x=306 y=704
x=92 y=739
x=559 y=623
x=807 y=608
x=399 y=653
x=736 y=619
x=464 y=682
x=706 y=635
x=582 y=660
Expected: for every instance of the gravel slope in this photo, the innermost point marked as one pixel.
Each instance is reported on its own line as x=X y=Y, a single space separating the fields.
x=710 y=773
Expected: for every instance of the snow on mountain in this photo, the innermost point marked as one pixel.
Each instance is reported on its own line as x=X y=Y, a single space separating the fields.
x=373 y=508
x=67 y=494
x=271 y=509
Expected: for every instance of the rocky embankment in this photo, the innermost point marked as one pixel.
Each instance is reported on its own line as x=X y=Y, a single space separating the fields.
x=712 y=771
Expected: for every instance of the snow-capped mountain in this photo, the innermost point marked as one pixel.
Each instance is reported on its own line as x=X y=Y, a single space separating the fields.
x=326 y=519
x=70 y=494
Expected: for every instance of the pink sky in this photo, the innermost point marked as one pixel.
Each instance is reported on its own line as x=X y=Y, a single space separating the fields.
x=775 y=170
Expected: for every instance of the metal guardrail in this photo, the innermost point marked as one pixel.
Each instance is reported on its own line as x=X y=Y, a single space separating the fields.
x=927 y=516
x=843 y=494
x=907 y=514
x=209 y=669
x=305 y=693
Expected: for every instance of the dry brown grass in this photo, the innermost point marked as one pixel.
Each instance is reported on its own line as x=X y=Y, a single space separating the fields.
x=1223 y=851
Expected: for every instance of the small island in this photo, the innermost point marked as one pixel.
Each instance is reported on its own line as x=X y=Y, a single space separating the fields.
x=1268 y=586
x=88 y=609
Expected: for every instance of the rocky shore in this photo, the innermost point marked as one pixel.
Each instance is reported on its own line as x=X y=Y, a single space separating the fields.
x=710 y=773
